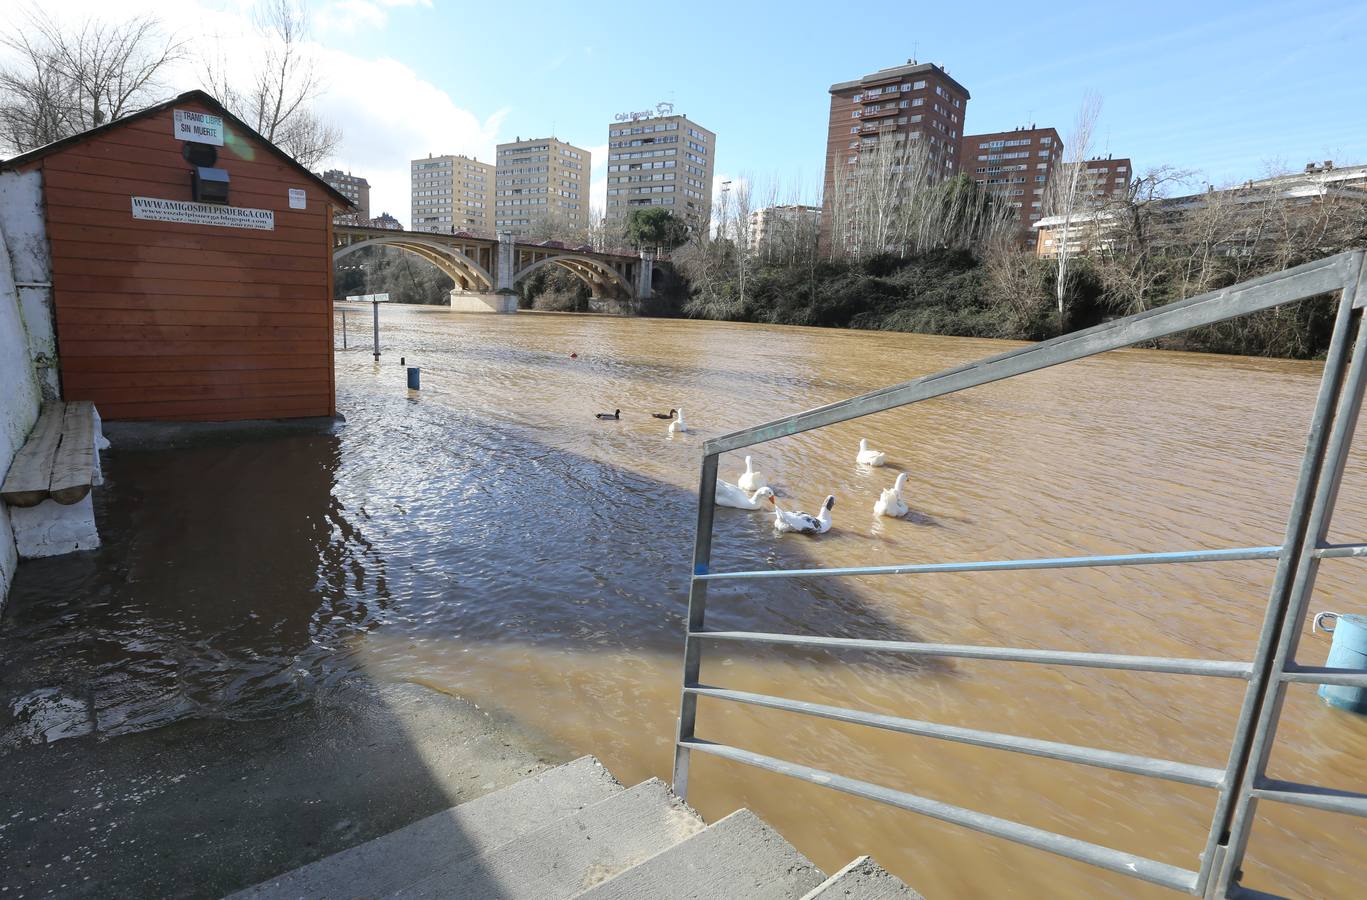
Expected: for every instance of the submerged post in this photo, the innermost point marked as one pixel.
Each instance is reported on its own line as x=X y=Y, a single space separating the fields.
x=343 y=329
x=375 y=305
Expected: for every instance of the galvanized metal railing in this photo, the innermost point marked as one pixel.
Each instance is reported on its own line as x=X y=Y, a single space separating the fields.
x=1243 y=781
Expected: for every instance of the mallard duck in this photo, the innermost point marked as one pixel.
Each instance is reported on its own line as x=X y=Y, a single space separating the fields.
x=669 y=415
x=615 y=414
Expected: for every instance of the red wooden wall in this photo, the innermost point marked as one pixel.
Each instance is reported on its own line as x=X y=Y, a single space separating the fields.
x=164 y=320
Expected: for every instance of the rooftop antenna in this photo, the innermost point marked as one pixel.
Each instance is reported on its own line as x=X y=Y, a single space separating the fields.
x=915 y=51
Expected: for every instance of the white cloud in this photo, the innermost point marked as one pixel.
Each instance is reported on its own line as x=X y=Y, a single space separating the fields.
x=388 y=113
x=389 y=116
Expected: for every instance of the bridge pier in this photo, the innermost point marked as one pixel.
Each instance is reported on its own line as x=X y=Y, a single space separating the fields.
x=644 y=271
x=507 y=262
x=482 y=301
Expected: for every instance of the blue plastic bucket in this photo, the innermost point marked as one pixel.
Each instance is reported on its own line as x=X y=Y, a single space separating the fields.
x=1348 y=651
x=413 y=378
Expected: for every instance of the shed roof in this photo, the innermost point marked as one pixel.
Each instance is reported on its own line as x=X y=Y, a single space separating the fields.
x=198 y=96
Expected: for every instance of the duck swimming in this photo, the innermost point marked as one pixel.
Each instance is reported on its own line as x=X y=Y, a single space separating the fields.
x=890 y=503
x=677 y=426
x=730 y=495
x=615 y=414
x=801 y=522
x=869 y=457
x=669 y=415
x=750 y=480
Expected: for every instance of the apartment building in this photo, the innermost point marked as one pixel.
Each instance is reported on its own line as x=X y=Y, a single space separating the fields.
x=1015 y=165
x=354 y=188
x=660 y=160
x=1107 y=177
x=786 y=224
x=877 y=116
x=541 y=181
x=452 y=193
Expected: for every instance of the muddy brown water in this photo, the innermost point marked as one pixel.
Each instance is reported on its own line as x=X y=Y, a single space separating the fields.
x=488 y=537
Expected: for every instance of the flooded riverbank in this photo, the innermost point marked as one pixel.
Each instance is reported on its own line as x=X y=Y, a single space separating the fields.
x=489 y=538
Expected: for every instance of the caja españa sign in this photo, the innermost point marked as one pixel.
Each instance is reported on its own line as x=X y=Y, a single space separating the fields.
x=189 y=213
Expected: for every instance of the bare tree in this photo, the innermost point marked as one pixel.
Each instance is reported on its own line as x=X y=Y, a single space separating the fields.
x=741 y=224
x=63 y=81
x=277 y=98
x=1135 y=264
x=1067 y=195
x=891 y=197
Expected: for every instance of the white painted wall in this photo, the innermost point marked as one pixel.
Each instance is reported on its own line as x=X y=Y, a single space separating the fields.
x=26 y=332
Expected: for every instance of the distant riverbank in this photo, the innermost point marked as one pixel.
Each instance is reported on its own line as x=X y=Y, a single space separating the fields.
x=959 y=294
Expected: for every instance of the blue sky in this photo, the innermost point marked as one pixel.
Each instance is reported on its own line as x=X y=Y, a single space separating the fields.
x=1226 y=89
x=1223 y=88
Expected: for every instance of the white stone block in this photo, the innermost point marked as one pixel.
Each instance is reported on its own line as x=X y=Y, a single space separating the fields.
x=52 y=528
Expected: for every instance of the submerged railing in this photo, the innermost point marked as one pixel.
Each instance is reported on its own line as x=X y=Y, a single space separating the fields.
x=1243 y=780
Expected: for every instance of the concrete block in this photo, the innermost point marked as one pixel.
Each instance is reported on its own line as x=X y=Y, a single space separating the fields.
x=435 y=843
x=471 y=301
x=738 y=858
x=52 y=528
x=571 y=855
x=863 y=879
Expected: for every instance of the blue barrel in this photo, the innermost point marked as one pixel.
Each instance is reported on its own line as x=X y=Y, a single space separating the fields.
x=413 y=379
x=1348 y=651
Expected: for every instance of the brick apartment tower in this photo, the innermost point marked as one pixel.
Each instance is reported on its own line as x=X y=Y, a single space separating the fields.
x=1015 y=165
x=917 y=100
x=1107 y=177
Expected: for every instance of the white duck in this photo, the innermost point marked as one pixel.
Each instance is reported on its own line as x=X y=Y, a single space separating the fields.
x=677 y=426
x=890 y=503
x=801 y=522
x=869 y=457
x=735 y=497
x=750 y=480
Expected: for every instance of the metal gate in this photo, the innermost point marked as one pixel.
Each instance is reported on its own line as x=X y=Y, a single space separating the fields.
x=1243 y=782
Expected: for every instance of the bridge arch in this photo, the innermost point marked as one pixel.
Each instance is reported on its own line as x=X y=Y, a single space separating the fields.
x=464 y=271
x=595 y=273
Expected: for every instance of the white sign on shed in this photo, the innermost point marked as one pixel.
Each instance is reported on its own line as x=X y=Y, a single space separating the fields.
x=190 y=125
x=189 y=213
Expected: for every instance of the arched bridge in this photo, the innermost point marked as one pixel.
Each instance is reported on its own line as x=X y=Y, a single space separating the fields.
x=484 y=266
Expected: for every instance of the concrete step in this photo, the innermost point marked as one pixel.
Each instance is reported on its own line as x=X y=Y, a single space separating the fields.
x=863 y=879
x=571 y=855
x=430 y=845
x=739 y=857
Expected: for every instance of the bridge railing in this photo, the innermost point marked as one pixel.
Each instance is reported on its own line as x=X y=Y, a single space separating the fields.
x=1271 y=665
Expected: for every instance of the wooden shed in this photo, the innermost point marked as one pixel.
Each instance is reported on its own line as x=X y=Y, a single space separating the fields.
x=191 y=267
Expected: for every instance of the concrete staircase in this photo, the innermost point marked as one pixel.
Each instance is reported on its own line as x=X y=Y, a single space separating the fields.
x=573 y=831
